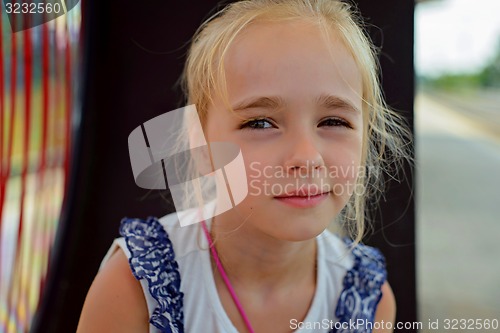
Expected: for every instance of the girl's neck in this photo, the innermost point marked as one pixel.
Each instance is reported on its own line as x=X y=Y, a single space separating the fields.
x=260 y=262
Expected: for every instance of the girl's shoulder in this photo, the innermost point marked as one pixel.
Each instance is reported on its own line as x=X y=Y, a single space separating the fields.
x=115 y=301
x=164 y=232
x=154 y=247
x=363 y=272
x=343 y=252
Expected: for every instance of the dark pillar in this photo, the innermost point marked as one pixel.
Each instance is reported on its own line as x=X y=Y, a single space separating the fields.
x=392 y=30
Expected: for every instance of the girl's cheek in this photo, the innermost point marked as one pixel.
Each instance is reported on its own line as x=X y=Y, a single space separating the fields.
x=344 y=172
x=257 y=178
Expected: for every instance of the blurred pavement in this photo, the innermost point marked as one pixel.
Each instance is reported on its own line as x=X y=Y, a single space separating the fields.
x=458 y=212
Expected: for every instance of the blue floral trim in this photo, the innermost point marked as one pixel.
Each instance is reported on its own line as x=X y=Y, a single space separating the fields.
x=153 y=258
x=361 y=293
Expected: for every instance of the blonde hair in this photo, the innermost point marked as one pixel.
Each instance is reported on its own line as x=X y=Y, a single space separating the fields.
x=385 y=139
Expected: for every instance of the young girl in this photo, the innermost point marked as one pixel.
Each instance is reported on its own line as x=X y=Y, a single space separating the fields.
x=293 y=84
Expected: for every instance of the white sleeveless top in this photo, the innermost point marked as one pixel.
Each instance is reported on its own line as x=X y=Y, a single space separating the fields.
x=181 y=294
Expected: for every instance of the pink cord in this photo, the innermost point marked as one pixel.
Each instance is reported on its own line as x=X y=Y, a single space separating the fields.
x=225 y=278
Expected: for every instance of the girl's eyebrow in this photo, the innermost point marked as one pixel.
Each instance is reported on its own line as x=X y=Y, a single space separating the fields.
x=276 y=102
x=272 y=102
x=335 y=102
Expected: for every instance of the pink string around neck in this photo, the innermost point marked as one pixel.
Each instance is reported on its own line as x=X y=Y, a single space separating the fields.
x=225 y=278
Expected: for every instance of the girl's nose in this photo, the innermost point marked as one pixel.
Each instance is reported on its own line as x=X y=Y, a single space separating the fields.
x=303 y=155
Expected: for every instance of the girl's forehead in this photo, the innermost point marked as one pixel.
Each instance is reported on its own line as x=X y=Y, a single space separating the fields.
x=294 y=58
x=263 y=37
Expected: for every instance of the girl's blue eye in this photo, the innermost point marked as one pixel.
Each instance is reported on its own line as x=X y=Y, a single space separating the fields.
x=257 y=124
x=335 y=122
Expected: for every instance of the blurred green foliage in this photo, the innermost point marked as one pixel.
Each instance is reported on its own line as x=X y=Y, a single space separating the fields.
x=487 y=77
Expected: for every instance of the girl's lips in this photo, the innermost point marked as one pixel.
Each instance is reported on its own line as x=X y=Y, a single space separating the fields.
x=303 y=201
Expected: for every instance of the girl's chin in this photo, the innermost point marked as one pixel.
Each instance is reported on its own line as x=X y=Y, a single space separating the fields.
x=298 y=232
x=285 y=221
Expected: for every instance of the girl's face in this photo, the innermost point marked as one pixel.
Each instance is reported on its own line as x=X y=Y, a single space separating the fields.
x=298 y=121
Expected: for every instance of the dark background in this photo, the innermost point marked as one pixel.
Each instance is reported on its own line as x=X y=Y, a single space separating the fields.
x=133 y=54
